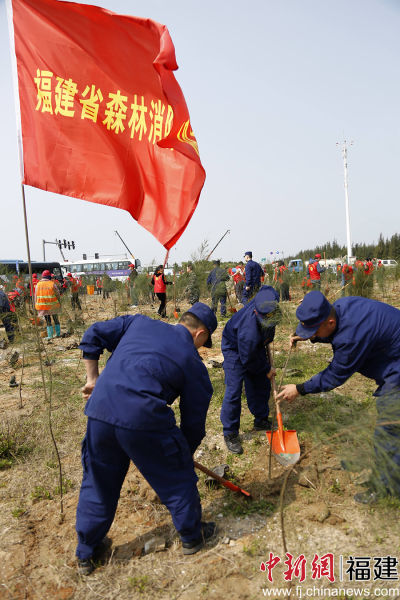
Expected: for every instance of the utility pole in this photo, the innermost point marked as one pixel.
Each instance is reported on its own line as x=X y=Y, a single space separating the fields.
x=346 y=194
x=218 y=243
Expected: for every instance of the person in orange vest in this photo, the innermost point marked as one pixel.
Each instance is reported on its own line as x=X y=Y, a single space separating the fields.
x=47 y=303
x=347 y=278
x=359 y=265
x=368 y=267
x=74 y=285
x=160 y=288
x=315 y=270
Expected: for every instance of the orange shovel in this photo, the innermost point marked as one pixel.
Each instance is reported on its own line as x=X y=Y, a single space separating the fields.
x=284 y=444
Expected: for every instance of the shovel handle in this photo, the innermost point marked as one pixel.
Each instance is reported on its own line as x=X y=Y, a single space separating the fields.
x=221 y=480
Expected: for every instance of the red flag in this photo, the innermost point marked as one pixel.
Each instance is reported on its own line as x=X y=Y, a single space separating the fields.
x=103 y=117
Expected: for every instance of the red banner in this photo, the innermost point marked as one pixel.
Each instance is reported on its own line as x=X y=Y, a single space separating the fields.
x=103 y=117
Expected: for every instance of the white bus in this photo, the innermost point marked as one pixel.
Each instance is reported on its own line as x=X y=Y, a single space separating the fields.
x=116 y=268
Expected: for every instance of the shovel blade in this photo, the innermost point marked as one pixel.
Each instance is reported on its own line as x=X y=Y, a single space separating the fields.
x=286 y=450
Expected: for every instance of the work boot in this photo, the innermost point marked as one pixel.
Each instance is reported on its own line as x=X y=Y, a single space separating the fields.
x=88 y=565
x=50 y=332
x=233 y=444
x=85 y=566
x=262 y=425
x=208 y=530
x=58 y=330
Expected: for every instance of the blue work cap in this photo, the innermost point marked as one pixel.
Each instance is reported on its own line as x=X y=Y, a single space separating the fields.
x=313 y=311
x=266 y=300
x=207 y=317
x=248 y=253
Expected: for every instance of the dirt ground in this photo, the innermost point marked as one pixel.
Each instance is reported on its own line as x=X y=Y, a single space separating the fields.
x=316 y=517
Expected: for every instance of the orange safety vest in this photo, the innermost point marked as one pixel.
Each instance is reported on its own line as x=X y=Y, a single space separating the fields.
x=46 y=297
x=74 y=284
x=159 y=285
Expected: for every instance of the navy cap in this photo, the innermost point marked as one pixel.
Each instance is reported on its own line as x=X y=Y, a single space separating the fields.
x=206 y=316
x=313 y=311
x=248 y=253
x=266 y=300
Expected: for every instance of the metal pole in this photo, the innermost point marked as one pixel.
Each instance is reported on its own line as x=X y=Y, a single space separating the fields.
x=346 y=193
x=124 y=244
x=44 y=251
x=227 y=231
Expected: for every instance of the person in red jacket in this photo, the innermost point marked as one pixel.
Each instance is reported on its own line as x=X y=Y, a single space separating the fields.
x=347 y=278
x=160 y=288
x=238 y=280
x=315 y=271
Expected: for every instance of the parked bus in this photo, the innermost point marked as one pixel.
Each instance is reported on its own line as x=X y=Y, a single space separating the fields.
x=116 y=268
x=21 y=267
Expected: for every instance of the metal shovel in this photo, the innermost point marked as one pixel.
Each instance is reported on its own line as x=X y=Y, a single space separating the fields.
x=284 y=444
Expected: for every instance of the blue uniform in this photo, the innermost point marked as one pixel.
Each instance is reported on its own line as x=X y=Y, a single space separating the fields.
x=245 y=360
x=6 y=316
x=367 y=341
x=253 y=274
x=152 y=363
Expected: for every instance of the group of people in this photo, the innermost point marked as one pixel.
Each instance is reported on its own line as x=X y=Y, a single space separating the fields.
x=153 y=363
x=45 y=293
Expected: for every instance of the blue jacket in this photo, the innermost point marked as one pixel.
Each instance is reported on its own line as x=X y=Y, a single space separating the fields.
x=152 y=363
x=367 y=341
x=253 y=272
x=244 y=339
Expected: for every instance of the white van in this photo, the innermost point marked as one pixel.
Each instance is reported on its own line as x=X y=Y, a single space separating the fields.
x=387 y=262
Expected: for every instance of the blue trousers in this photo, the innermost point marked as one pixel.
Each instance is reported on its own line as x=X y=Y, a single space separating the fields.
x=257 y=388
x=163 y=458
x=387 y=441
x=248 y=294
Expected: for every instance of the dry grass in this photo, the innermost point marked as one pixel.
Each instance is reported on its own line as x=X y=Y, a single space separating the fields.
x=37 y=550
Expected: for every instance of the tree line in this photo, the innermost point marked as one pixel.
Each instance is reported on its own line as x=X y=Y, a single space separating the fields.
x=385 y=248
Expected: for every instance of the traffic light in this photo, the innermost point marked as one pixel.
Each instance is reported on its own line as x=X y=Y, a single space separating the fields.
x=65 y=243
x=59 y=244
x=84 y=256
x=73 y=245
x=96 y=255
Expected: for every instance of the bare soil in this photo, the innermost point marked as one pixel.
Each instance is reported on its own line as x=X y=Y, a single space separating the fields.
x=37 y=544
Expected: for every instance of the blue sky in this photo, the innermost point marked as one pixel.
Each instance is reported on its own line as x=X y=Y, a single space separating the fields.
x=271 y=87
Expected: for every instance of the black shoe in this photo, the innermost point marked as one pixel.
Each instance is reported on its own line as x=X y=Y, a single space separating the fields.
x=88 y=565
x=367 y=497
x=85 y=566
x=262 y=425
x=208 y=530
x=233 y=444
x=13 y=383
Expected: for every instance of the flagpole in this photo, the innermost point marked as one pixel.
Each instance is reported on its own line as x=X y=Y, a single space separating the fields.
x=19 y=136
